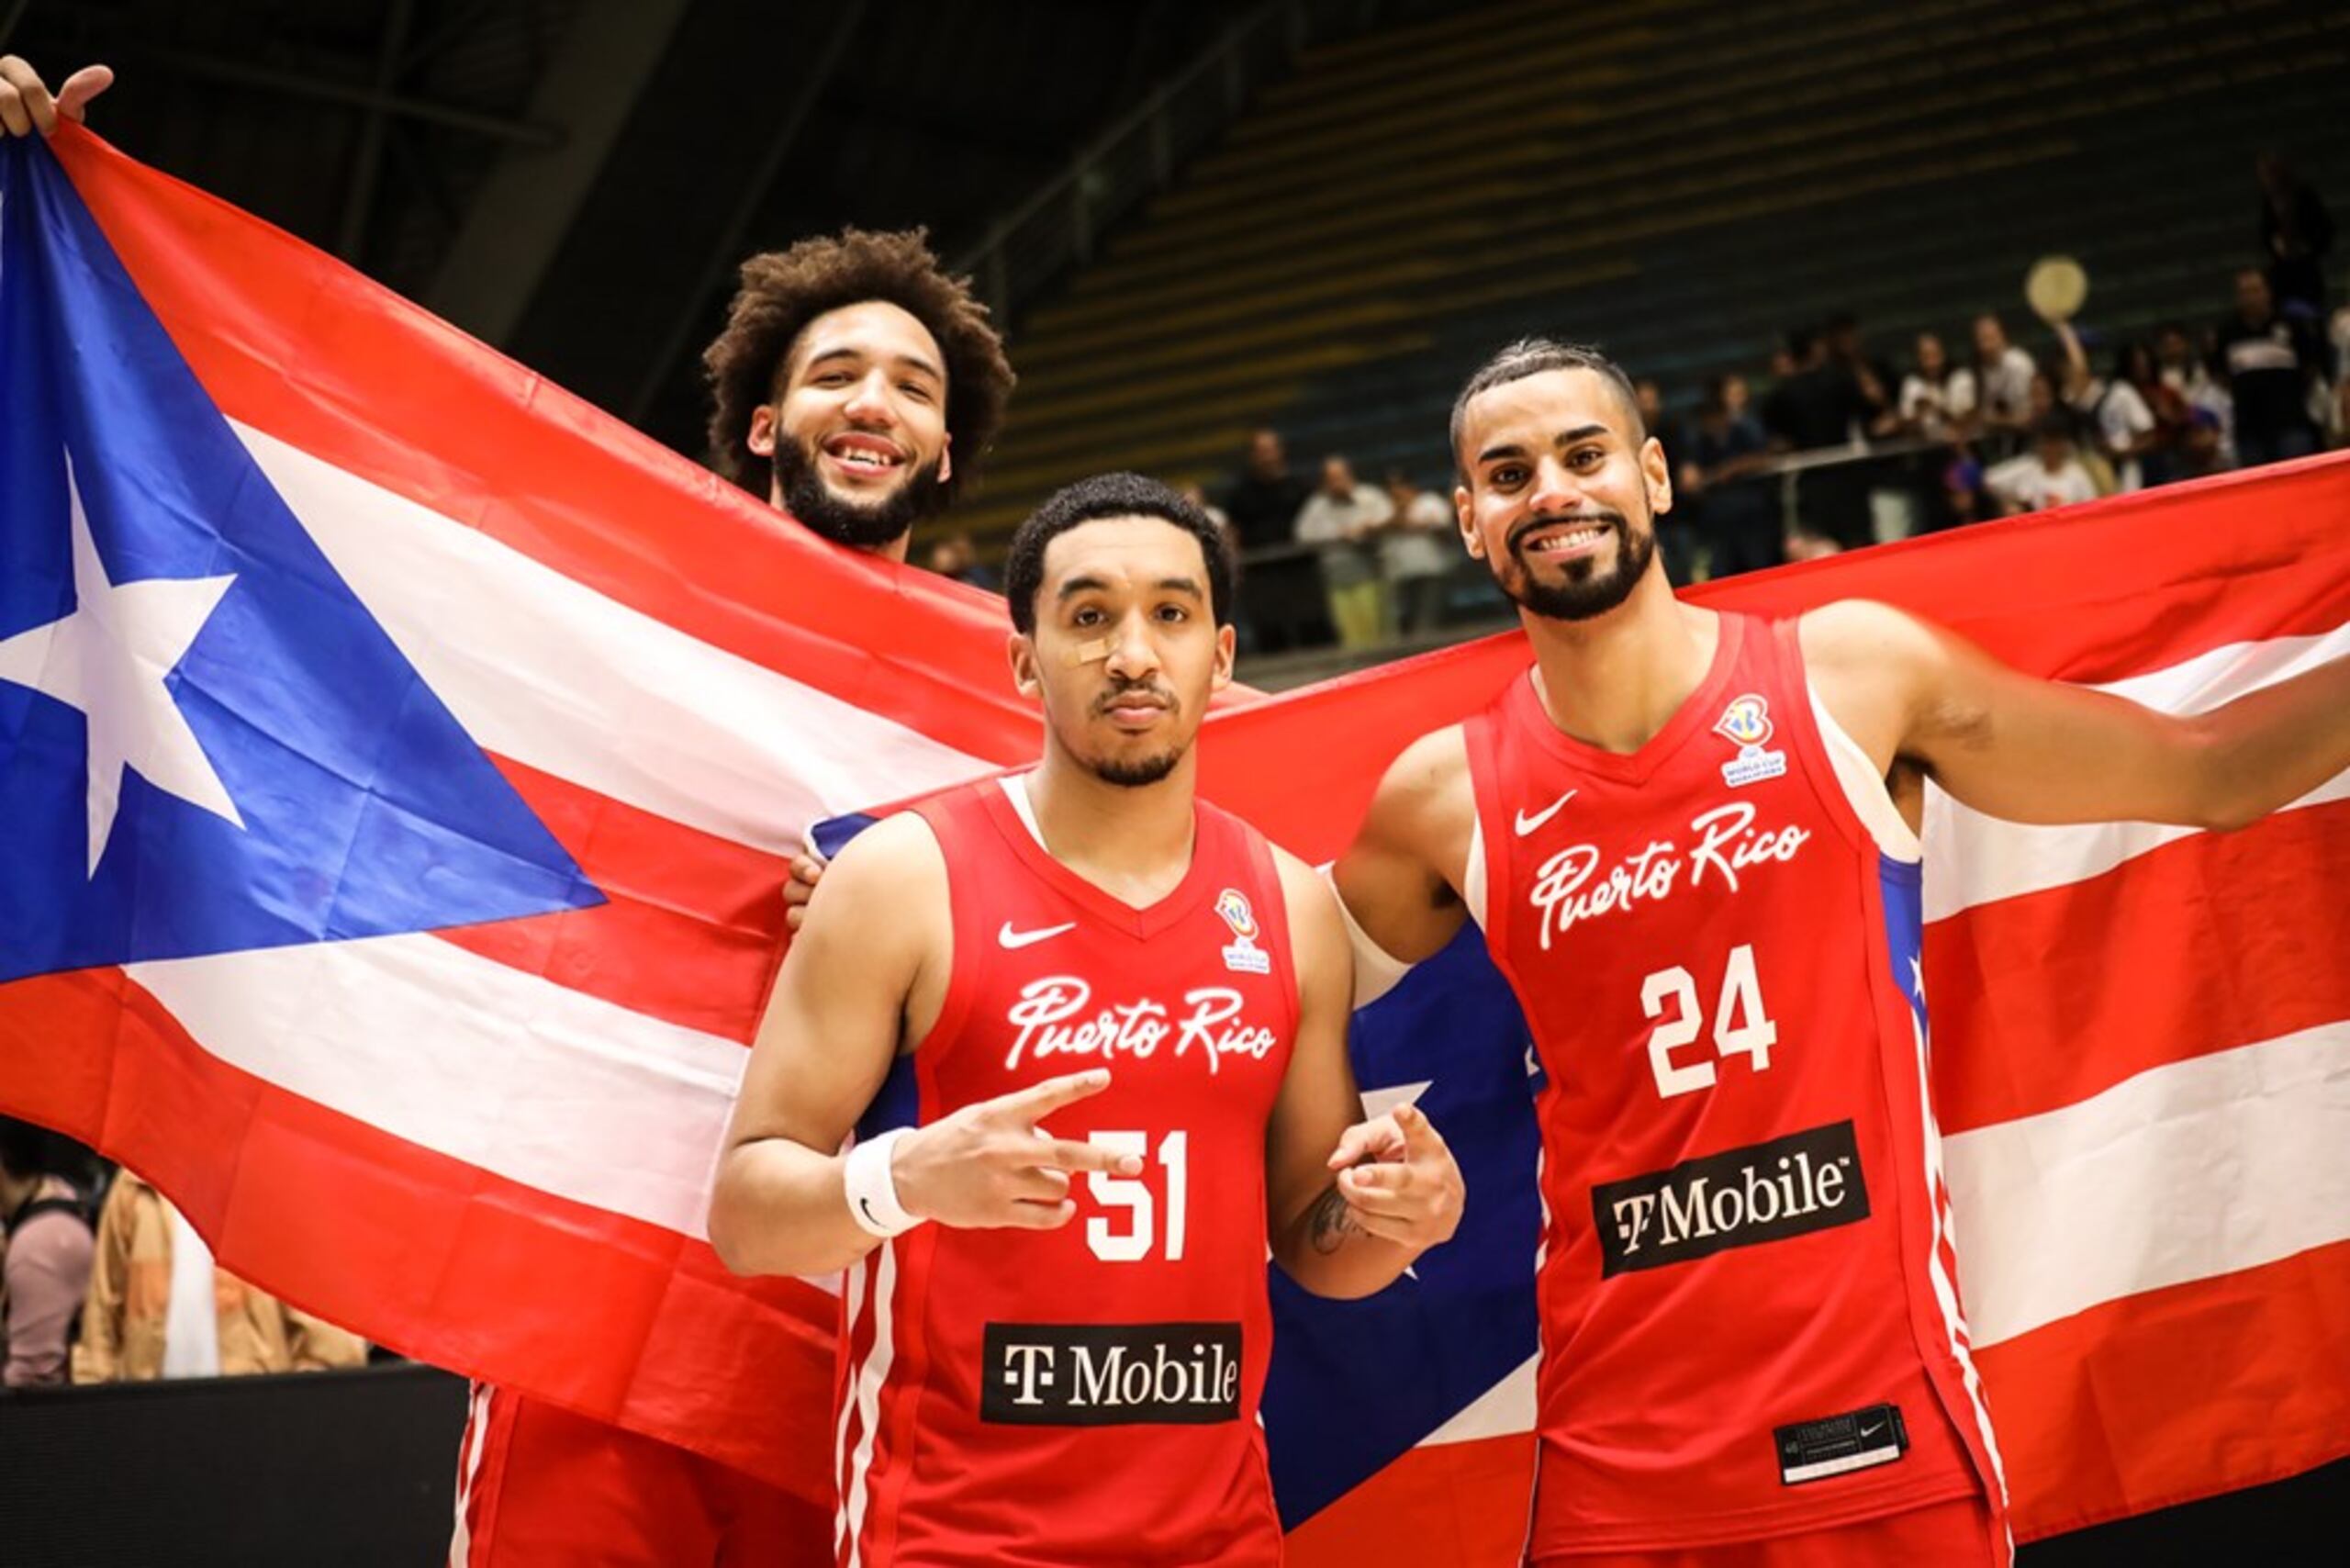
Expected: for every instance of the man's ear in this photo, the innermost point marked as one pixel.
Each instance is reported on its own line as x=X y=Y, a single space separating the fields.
x=1226 y=644
x=1464 y=513
x=1021 y=649
x=947 y=459
x=761 y=439
x=1657 y=472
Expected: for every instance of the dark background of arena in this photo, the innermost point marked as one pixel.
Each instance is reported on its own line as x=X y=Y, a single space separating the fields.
x=573 y=181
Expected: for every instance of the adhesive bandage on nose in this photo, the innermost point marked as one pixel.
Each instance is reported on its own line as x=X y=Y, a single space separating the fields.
x=1089 y=652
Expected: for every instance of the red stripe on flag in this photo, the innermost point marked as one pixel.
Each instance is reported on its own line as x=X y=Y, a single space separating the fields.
x=2172 y=1395
x=336 y=365
x=2208 y=943
x=2111 y=589
x=603 y=1315
x=1449 y=1502
x=693 y=928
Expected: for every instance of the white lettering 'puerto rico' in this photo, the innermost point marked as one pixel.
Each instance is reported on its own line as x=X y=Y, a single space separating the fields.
x=1053 y=1019
x=1529 y=821
x=1017 y=939
x=1569 y=887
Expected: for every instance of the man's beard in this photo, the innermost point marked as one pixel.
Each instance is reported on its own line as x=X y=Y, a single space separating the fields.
x=1135 y=773
x=1587 y=592
x=1138 y=772
x=859 y=526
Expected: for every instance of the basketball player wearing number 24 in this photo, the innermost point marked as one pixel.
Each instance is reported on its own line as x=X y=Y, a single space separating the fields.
x=1090 y=1034
x=1689 y=840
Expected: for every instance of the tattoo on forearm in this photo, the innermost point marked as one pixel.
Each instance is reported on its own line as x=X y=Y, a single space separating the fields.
x=1331 y=1222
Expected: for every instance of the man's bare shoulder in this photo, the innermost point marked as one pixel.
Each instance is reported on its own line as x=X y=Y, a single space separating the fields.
x=896 y=861
x=1863 y=634
x=1430 y=772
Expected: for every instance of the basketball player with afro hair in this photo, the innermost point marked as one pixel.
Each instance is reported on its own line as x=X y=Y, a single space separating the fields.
x=856 y=388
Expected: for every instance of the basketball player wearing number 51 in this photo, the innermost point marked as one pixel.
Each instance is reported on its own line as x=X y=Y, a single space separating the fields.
x=1090 y=1033
x=1689 y=840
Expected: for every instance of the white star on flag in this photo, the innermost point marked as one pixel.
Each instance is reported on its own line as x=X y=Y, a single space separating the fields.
x=110 y=658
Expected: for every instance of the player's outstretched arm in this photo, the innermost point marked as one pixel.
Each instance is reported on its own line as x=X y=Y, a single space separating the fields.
x=27 y=107
x=2038 y=751
x=871 y=958
x=1350 y=1203
x=832 y=1028
x=1396 y=876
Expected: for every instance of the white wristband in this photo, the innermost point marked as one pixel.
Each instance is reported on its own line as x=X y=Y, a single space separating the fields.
x=873 y=1191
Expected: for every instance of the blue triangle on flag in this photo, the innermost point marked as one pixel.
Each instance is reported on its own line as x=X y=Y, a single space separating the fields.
x=358 y=804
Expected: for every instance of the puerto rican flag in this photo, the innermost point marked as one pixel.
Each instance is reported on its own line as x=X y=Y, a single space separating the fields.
x=400 y=761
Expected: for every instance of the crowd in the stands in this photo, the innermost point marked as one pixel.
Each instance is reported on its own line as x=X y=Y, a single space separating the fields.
x=1842 y=448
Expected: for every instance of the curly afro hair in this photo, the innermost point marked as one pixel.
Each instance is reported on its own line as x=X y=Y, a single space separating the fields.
x=783 y=291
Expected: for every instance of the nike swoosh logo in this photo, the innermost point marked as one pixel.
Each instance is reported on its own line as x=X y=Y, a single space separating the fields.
x=1011 y=939
x=1873 y=1432
x=1527 y=824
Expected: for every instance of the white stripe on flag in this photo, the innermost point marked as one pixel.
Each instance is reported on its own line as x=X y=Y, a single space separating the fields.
x=2184 y=1172
x=1503 y=1410
x=541 y=668
x=1974 y=859
x=476 y=1060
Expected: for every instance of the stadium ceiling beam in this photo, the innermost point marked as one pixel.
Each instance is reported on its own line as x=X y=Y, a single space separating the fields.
x=297 y=85
x=517 y=221
x=808 y=87
x=368 y=158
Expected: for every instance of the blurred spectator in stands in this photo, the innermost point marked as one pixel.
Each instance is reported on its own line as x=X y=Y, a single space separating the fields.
x=2296 y=233
x=1676 y=530
x=1416 y=553
x=1872 y=377
x=45 y=1257
x=2202 y=446
x=1999 y=383
x=1925 y=410
x=2340 y=336
x=2187 y=370
x=2077 y=397
x=1339 y=519
x=1961 y=497
x=1262 y=502
x=2050 y=475
x=1191 y=491
x=1280 y=597
x=158 y=1307
x=2140 y=419
x=1735 y=505
x=956 y=556
x=1821 y=406
x=2270 y=362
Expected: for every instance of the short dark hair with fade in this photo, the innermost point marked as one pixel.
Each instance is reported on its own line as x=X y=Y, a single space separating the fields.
x=1536 y=356
x=1106 y=496
x=783 y=291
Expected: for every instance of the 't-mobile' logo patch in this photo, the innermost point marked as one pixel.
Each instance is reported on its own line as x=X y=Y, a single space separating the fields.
x=1742 y=1197
x=1110 y=1374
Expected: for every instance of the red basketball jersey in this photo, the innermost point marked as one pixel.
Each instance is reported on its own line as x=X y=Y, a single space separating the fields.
x=1748 y=1320
x=1086 y=1395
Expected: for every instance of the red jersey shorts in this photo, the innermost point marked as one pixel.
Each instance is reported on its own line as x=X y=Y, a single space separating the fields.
x=1958 y=1534
x=540 y=1487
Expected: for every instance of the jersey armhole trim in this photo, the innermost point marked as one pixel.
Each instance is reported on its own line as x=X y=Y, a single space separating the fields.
x=1473 y=876
x=1862 y=785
